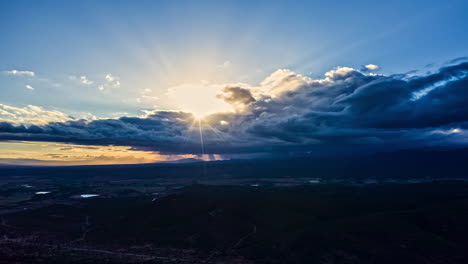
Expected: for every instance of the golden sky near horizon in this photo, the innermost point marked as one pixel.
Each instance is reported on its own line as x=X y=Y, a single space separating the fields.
x=51 y=153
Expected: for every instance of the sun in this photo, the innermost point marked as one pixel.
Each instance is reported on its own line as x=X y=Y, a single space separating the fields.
x=199 y=99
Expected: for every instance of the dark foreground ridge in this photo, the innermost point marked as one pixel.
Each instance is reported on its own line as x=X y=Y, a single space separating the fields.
x=321 y=223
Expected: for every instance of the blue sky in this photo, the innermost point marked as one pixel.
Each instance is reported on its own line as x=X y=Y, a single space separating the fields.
x=158 y=44
x=109 y=59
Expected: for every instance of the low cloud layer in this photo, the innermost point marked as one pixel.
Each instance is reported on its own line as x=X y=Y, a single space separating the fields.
x=347 y=111
x=20 y=73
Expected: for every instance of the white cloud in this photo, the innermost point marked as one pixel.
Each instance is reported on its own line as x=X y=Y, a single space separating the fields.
x=372 y=67
x=31 y=114
x=6 y=113
x=21 y=73
x=225 y=64
x=101 y=87
x=339 y=72
x=279 y=82
x=109 y=77
x=29 y=87
x=85 y=80
x=112 y=80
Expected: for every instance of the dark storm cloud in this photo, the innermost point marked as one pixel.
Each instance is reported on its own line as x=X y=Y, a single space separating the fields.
x=346 y=111
x=162 y=129
x=457 y=60
x=237 y=96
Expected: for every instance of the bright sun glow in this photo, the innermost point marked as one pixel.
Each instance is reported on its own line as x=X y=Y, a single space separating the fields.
x=199 y=99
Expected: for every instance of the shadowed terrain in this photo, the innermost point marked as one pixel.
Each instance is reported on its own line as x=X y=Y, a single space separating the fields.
x=302 y=210
x=330 y=223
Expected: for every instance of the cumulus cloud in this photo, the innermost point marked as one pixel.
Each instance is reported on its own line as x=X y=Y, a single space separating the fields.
x=280 y=82
x=85 y=80
x=345 y=111
x=236 y=96
x=21 y=73
x=109 y=78
x=370 y=67
x=29 y=87
x=30 y=115
x=341 y=73
x=112 y=80
x=109 y=81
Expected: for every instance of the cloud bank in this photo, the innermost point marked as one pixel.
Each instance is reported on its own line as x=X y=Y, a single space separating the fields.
x=29 y=116
x=347 y=111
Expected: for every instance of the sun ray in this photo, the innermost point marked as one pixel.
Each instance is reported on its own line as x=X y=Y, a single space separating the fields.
x=219 y=134
x=202 y=143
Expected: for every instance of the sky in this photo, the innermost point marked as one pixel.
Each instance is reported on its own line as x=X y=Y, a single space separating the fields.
x=103 y=82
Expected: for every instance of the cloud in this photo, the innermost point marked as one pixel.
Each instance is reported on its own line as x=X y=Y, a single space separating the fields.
x=280 y=82
x=112 y=80
x=341 y=73
x=30 y=115
x=458 y=60
x=21 y=73
x=109 y=78
x=346 y=111
x=225 y=64
x=85 y=80
x=236 y=96
x=370 y=67
x=29 y=87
